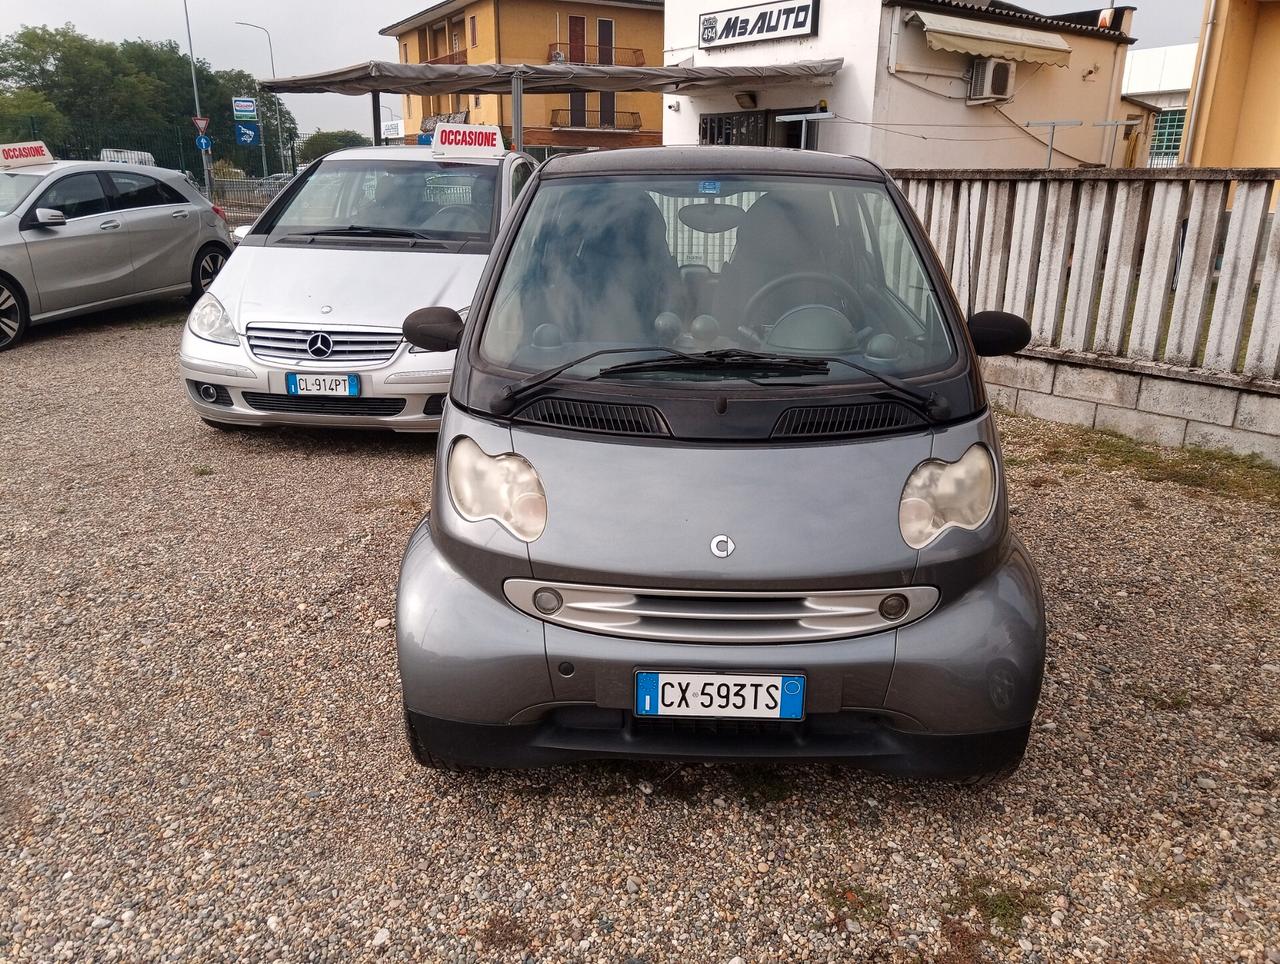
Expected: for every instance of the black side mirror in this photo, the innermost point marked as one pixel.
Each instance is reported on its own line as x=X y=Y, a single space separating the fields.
x=434 y=329
x=998 y=333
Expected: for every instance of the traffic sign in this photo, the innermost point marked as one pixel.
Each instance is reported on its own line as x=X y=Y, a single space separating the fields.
x=248 y=134
x=424 y=139
x=203 y=142
x=202 y=124
x=244 y=108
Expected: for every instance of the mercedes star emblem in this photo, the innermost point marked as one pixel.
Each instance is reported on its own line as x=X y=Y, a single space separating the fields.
x=320 y=345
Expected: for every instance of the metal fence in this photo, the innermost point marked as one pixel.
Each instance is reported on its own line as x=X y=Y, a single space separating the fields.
x=242 y=199
x=1180 y=267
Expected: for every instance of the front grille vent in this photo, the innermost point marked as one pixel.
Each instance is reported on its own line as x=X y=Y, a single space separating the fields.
x=323 y=404
x=832 y=421
x=596 y=417
x=284 y=343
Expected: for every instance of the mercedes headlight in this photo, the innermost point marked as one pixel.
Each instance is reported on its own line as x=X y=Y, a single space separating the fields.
x=209 y=320
x=943 y=495
x=504 y=488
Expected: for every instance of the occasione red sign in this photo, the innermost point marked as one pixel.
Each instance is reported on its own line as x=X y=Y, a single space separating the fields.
x=20 y=155
x=472 y=140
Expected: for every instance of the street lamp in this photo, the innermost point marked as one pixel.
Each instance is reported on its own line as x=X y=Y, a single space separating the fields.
x=272 y=53
x=195 y=89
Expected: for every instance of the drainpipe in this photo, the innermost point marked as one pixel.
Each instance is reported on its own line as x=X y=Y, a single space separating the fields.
x=1193 y=117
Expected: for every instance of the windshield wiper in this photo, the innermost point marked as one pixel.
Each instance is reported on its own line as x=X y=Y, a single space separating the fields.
x=370 y=231
x=505 y=400
x=932 y=407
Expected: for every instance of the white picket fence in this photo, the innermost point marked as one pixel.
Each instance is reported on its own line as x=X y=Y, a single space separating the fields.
x=1176 y=266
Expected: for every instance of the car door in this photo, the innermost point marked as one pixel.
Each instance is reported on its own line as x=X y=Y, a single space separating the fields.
x=86 y=260
x=163 y=228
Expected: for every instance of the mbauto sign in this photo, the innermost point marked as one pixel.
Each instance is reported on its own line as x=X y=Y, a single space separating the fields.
x=766 y=21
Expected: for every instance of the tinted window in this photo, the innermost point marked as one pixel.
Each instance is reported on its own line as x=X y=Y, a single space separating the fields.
x=519 y=177
x=140 y=191
x=76 y=196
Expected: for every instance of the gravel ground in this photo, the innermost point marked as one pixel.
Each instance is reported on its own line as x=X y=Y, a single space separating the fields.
x=203 y=756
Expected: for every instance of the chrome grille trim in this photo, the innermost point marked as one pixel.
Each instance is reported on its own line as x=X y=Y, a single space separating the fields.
x=286 y=343
x=698 y=616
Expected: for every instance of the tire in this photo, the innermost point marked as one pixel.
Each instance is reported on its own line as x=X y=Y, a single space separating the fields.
x=209 y=261
x=421 y=752
x=14 y=318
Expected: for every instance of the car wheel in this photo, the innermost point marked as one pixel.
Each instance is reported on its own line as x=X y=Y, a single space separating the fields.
x=13 y=314
x=422 y=752
x=209 y=262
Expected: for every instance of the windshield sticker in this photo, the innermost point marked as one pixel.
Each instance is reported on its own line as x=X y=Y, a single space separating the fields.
x=708 y=187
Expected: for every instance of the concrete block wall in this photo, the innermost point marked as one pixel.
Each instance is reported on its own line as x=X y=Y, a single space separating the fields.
x=1147 y=402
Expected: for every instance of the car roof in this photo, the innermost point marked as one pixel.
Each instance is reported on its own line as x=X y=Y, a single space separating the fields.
x=709 y=159
x=56 y=167
x=407 y=153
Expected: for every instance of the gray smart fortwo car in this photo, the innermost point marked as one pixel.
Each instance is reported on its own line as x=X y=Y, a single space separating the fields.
x=717 y=480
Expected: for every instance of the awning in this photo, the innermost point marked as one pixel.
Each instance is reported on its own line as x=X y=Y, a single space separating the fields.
x=378 y=76
x=981 y=39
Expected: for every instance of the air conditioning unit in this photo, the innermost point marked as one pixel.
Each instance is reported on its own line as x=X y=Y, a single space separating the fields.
x=991 y=80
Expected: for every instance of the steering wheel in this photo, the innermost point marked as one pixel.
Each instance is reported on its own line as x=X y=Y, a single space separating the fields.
x=837 y=284
x=465 y=210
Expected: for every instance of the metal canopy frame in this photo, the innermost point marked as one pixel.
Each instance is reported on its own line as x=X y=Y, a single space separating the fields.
x=377 y=77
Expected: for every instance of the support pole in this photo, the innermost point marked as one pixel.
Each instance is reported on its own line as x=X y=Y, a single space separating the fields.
x=377 y=119
x=1053 y=126
x=517 y=111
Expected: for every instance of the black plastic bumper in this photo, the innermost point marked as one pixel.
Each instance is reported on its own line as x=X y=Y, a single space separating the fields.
x=588 y=733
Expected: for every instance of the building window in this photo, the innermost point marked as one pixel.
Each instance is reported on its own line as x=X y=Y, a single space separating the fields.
x=404 y=53
x=1166 y=138
x=472 y=24
x=477 y=101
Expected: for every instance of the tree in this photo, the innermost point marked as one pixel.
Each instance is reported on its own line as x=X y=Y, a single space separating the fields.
x=322 y=142
x=27 y=115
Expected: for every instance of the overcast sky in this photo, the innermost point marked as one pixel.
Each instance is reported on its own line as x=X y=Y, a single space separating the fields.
x=312 y=35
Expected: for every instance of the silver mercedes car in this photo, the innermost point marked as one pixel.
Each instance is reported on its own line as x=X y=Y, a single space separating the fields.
x=80 y=236
x=718 y=480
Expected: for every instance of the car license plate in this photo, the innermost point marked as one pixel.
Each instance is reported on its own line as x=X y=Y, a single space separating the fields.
x=720 y=695
x=297 y=383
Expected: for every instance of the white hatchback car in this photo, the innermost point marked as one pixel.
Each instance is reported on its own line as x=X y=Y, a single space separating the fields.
x=303 y=325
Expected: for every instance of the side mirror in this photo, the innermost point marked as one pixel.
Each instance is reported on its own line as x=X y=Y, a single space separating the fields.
x=49 y=218
x=998 y=333
x=240 y=233
x=434 y=329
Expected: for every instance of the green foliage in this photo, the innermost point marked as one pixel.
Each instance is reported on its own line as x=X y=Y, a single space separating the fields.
x=322 y=142
x=24 y=113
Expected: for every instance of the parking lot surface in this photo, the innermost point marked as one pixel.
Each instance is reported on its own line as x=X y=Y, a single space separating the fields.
x=203 y=756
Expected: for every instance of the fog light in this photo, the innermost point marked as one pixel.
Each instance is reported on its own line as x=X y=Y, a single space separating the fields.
x=547 y=601
x=208 y=393
x=894 y=607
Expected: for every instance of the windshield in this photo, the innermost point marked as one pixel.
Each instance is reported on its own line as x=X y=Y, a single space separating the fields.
x=443 y=201
x=14 y=187
x=785 y=265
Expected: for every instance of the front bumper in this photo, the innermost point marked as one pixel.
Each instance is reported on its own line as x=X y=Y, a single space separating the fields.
x=404 y=394
x=498 y=687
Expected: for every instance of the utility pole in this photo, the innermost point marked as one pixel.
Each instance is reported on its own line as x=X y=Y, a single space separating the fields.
x=1053 y=129
x=205 y=160
x=271 y=52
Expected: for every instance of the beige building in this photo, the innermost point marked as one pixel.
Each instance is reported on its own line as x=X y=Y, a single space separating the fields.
x=621 y=32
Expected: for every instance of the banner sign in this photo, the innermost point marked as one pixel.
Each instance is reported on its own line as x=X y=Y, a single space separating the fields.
x=23 y=154
x=765 y=21
x=468 y=140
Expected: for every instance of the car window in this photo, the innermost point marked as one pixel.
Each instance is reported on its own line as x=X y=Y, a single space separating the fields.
x=140 y=191
x=77 y=196
x=778 y=264
x=14 y=188
x=519 y=177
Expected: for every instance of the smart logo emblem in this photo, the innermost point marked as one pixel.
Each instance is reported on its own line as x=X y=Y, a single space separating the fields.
x=722 y=547
x=320 y=345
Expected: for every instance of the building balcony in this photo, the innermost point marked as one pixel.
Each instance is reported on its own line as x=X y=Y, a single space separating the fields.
x=591 y=54
x=455 y=57
x=589 y=120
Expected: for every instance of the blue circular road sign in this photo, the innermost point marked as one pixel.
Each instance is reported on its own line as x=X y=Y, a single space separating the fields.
x=204 y=142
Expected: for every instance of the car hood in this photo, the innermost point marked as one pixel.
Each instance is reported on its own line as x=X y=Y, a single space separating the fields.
x=342 y=287
x=822 y=516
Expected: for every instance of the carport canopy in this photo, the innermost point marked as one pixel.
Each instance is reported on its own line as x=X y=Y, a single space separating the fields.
x=378 y=77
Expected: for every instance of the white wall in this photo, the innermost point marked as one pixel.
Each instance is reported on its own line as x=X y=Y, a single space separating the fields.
x=846 y=28
x=1160 y=70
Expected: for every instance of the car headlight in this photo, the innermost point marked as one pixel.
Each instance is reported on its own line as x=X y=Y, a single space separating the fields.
x=209 y=320
x=462 y=313
x=504 y=488
x=944 y=495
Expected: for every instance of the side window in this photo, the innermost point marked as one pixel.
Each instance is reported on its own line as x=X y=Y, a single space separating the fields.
x=140 y=191
x=77 y=196
x=904 y=275
x=519 y=177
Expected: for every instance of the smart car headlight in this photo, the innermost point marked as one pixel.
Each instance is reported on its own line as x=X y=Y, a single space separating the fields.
x=943 y=495
x=504 y=488
x=209 y=320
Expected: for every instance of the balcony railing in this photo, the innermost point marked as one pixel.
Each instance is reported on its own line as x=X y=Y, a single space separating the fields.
x=622 y=120
x=592 y=54
x=455 y=57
